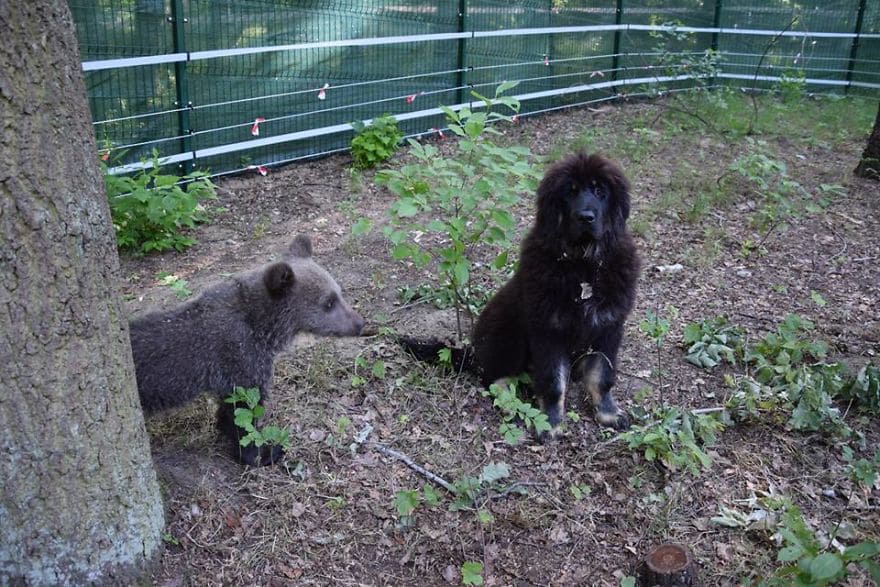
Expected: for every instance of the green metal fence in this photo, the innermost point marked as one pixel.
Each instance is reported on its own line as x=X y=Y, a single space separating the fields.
x=230 y=85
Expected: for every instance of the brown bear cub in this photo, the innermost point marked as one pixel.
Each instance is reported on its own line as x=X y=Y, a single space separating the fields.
x=230 y=335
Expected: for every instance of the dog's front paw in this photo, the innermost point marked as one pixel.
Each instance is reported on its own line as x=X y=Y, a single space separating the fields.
x=616 y=419
x=550 y=436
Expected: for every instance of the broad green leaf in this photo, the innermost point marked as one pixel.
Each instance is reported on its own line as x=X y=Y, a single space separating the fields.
x=826 y=566
x=504 y=86
x=494 y=472
x=406 y=501
x=406 y=208
x=362 y=226
x=472 y=573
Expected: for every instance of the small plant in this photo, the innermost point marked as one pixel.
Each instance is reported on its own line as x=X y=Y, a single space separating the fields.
x=169 y=538
x=676 y=438
x=468 y=488
x=150 y=210
x=375 y=143
x=656 y=327
x=513 y=410
x=709 y=342
x=782 y=196
x=247 y=416
x=175 y=283
x=580 y=490
x=406 y=502
x=377 y=369
x=472 y=573
x=863 y=472
x=807 y=564
x=792 y=85
x=462 y=202
x=789 y=377
x=864 y=389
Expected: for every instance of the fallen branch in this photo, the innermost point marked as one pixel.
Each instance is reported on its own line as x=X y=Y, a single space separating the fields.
x=415 y=467
x=701 y=411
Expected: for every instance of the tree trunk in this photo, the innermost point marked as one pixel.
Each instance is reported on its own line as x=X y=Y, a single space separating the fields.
x=869 y=166
x=79 y=501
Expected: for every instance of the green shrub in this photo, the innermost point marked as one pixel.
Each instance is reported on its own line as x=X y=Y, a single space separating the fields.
x=676 y=438
x=513 y=410
x=375 y=143
x=709 y=342
x=807 y=564
x=864 y=389
x=790 y=378
x=150 y=210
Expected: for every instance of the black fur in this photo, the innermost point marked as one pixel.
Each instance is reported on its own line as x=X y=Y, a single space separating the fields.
x=561 y=316
x=230 y=335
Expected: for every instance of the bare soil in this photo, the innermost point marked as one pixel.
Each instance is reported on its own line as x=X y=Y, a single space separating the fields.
x=326 y=516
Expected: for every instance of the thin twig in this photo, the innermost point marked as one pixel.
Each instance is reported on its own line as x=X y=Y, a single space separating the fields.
x=767 y=235
x=753 y=94
x=414 y=466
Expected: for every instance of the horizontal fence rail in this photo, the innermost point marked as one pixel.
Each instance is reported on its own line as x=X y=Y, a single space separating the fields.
x=262 y=101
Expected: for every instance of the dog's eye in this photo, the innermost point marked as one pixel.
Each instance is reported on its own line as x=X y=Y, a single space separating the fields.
x=574 y=188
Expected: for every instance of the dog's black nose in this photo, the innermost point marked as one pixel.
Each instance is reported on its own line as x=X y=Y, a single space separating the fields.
x=587 y=216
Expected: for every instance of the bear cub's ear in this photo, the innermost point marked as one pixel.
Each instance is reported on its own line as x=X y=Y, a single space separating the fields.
x=301 y=247
x=279 y=279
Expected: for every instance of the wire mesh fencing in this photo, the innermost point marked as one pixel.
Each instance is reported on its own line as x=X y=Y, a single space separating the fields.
x=226 y=85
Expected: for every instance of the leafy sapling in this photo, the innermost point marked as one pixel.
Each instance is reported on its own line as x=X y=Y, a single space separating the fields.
x=464 y=202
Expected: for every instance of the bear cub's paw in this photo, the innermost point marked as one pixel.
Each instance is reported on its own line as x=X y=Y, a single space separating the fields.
x=261 y=456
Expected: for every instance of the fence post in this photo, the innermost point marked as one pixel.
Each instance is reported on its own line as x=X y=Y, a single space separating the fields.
x=178 y=20
x=854 y=50
x=716 y=24
x=461 y=79
x=615 y=60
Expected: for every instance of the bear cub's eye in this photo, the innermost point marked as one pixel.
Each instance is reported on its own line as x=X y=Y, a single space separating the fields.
x=330 y=303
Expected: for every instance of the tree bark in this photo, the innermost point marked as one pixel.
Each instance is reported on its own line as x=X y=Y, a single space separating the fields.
x=869 y=166
x=79 y=502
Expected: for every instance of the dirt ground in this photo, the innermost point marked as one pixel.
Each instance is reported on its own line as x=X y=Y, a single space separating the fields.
x=580 y=511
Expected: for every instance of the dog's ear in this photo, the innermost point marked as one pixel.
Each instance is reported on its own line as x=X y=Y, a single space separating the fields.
x=552 y=192
x=615 y=178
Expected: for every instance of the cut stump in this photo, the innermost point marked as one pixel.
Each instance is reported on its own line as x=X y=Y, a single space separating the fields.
x=668 y=565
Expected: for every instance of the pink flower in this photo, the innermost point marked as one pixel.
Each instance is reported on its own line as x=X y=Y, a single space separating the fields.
x=261 y=169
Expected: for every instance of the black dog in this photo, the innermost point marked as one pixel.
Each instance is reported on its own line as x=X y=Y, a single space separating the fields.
x=561 y=316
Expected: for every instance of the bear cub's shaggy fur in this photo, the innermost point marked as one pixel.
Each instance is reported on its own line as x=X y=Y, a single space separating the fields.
x=230 y=335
